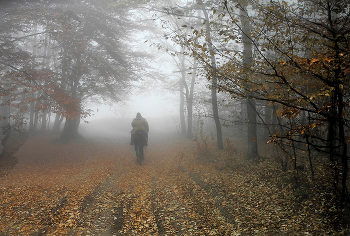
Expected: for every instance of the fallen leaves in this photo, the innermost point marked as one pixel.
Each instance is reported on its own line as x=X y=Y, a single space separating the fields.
x=87 y=189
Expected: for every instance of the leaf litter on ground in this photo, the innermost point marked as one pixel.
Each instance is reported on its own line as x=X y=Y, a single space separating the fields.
x=172 y=192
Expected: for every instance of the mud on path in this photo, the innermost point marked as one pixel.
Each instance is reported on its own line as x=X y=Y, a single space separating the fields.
x=99 y=189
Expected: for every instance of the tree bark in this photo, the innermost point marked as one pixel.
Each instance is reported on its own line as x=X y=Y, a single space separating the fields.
x=71 y=127
x=190 y=102
x=5 y=113
x=214 y=99
x=31 y=114
x=70 y=131
x=267 y=120
x=252 y=150
x=59 y=118
x=182 y=95
x=47 y=67
x=57 y=123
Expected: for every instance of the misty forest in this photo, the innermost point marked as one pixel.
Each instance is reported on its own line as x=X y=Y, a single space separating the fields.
x=257 y=142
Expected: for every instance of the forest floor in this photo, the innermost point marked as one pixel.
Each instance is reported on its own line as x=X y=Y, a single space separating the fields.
x=92 y=188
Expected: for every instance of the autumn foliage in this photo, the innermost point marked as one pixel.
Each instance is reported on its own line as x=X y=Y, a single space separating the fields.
x=290 y=61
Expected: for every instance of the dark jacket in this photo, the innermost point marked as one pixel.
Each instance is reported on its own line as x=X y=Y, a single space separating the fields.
x=139 y=123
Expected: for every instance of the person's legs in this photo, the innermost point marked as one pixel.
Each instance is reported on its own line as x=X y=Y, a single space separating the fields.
x=132 y=140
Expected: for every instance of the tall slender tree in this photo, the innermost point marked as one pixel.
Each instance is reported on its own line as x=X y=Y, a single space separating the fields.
x=213 y=76
x=252 y=150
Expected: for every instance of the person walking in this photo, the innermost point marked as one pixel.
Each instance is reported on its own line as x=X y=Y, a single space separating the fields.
x=139 y=123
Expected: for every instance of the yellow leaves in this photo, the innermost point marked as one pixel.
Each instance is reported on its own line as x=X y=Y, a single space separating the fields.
x=312 y=61
x=316 y=63
x=288 y=112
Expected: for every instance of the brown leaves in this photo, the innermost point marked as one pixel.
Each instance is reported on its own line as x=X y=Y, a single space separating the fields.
x=46 y=189
x=86 y=189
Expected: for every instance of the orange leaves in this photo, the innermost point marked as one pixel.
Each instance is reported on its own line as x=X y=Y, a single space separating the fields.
x=87 y=189
x=318 y=59
x=50 y=187
x=288 y=112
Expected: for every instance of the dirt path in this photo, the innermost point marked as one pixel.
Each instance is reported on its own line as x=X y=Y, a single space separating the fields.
x=89 y=189
x=160 y=197
x=99 y=189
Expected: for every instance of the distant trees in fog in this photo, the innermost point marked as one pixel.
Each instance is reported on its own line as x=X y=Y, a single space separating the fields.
x=57 y=55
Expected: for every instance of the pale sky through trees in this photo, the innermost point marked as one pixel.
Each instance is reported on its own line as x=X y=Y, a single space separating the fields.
x=149 y=106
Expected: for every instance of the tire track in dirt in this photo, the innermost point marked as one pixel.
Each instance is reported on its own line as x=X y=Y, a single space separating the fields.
x=101 y=205
x=157 y=212
x=170 y=209
x=157 y=198
x=137 y=211
x=102 y=214
x=114 y=204
x=208 y=200
x=172 y=193
x=178 y=211
x=226 y=210
x=174 y=208
x=156 y=205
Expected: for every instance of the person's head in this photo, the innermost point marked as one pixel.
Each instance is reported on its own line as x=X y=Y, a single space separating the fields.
x=138 y=115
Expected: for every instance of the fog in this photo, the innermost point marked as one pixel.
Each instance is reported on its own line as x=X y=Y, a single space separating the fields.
x=246 y=103
x=112 y=123
x=151 y=105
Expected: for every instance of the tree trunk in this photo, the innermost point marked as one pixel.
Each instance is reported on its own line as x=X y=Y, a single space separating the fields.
x=33 y=95
x=71 y=127
x=190 y=102
x=267 y=120
x=31 y=114
x=57 y=123
x=46 y=64
x=214 y=99
x=70 y=131
x=252 y=151
x=5 y=113
x=59 y=118
x=36 y=118
x=43 y=121
x=182 y=95
x=343 y=148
